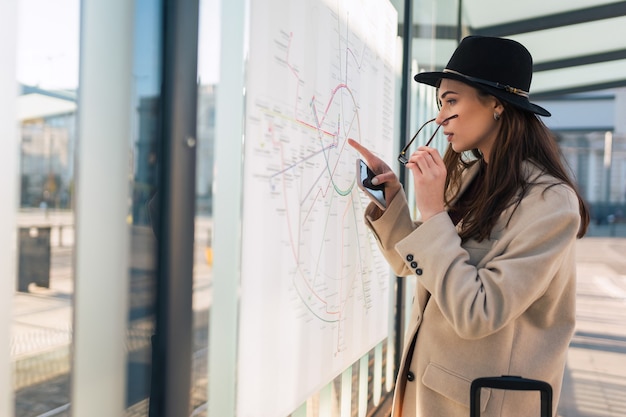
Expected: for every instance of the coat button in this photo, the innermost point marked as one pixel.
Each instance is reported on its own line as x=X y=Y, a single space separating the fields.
x=409 y=257
x=419 y=271
x=410 y=376
x=413 y=264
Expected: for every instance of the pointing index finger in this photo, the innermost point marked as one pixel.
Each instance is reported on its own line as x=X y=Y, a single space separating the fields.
x=367 y=154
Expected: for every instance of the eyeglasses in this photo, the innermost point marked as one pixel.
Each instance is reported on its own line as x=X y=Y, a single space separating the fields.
x=402 y=157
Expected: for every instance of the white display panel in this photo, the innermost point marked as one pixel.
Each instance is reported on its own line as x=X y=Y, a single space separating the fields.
x=314 y=287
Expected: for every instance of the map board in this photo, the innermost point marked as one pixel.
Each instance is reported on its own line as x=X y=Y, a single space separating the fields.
x=314 y=286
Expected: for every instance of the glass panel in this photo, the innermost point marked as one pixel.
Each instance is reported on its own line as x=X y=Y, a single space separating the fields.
x=431 y=50
x=47 y=71
x=141 y=217
x=356 y=391
x=208 y=76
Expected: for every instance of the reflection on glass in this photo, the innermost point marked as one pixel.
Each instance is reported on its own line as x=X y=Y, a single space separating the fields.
x=143 y=185
x=208 y=64
x=41 y=337
x=203 y=250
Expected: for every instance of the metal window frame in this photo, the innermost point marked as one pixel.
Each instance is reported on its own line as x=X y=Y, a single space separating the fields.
x=172 y=342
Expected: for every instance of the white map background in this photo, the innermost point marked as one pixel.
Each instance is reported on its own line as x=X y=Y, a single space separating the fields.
x=314 y=291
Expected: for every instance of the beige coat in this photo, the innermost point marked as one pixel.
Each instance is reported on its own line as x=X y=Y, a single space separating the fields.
x=504 y=306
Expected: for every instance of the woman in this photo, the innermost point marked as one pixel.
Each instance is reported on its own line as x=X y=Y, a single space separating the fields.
x=493 y=251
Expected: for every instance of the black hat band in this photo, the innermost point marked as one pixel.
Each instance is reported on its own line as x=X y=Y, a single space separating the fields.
x=507 y=88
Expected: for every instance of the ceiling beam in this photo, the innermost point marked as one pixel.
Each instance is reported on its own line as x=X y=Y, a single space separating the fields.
x=547 y=94
x=557 y=20
x=428 y=31
x=580 y=60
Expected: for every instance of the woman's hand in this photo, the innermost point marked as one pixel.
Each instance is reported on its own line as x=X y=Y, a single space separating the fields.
x=429 y=177
x=384 y=174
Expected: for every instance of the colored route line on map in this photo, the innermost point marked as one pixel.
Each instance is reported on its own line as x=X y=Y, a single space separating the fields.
x=332 y=311
x=320 y=121
x=294 y=248
x=349 y=51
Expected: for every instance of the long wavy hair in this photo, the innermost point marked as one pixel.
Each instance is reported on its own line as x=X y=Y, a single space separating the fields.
x=522 y=137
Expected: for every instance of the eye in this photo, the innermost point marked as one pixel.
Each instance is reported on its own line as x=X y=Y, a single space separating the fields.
x=446 y=102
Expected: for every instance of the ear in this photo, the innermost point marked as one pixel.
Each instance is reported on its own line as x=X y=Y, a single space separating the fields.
x=498 y=107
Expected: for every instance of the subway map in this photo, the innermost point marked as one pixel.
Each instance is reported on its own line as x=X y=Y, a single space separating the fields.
x=314 y=288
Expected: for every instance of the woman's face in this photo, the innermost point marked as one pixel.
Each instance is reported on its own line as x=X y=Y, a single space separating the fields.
x=475 y=126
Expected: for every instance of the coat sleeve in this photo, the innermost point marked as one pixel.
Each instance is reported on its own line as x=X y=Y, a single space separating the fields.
x=478 y=300
x=395 y=224
x=389 y=227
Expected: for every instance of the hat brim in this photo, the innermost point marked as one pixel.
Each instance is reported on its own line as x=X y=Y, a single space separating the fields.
x=433 y=79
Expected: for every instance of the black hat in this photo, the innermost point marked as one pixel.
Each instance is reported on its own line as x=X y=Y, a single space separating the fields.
x=501 y=67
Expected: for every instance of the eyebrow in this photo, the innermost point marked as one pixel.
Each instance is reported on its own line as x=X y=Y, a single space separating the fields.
x=446 y=93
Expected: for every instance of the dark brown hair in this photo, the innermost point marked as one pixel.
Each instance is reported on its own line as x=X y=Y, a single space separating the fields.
x=522 y=137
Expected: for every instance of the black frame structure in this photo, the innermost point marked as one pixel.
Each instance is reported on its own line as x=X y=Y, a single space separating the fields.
x=172 y=343
x=405 y=126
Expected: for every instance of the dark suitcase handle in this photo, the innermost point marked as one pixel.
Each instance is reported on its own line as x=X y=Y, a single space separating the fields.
x=509 y=382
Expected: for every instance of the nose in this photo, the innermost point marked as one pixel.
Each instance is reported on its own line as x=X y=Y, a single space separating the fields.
x=440 y=120
x=441 y=117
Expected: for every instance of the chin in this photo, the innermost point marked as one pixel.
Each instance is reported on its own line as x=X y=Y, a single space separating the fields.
x=458 y=148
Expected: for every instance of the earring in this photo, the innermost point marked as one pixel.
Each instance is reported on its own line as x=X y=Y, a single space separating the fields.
x=496 y=116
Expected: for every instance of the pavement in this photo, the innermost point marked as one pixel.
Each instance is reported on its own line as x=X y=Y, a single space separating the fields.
x=595 y=376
